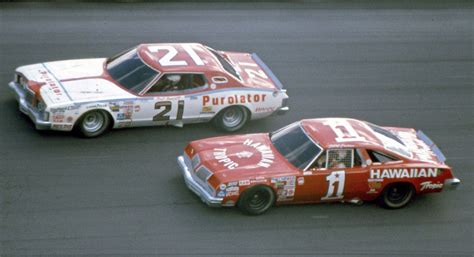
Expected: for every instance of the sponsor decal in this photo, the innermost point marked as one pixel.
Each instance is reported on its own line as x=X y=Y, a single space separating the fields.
x=137 y=108
x=63 y=109
x=375 y=184
x=232 y=189
x=92 y=92
x=403 y=173
x=95 y=106
x=231 y=184
x=285 y=187
x=220 y=154
x=306 y=173
x=115 y=107
x=417 y=146
x=267 y=155
x=61 y=126
x=221 y=194
x=231 y=193
x=58 y=118
x=207 y=109
x=265 y=160
x=300 y=181
x=222 y=186
x=258 y=180
x=244 y=154
x=69 y=119
x=428 y=185
x=244 y=182
x=44 y=75
x=265 y=109
x=233 y=99
x=124 y=124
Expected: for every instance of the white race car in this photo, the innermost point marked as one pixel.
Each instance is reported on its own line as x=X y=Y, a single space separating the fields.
x=151 y=84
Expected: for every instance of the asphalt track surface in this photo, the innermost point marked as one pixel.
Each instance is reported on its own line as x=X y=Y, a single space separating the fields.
x=122 y=194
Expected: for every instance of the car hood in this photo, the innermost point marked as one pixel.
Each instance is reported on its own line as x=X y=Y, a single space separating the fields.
x=242 y=157
x=72 y=81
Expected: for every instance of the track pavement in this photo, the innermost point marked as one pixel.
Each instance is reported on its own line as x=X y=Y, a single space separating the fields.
x=122 y=194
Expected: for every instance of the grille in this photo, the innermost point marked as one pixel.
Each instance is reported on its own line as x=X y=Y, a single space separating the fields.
x=195 y=161
x=30 y=97
x=203 y=174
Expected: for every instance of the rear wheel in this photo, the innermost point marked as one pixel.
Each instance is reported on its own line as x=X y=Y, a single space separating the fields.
x=232 y=118
x=256 y=200
x=397 y=195
x=93 y=123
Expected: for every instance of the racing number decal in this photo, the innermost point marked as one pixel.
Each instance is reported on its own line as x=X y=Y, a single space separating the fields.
x=336 y=177
x=166 y=60
x=343 y=130
x=166 y=105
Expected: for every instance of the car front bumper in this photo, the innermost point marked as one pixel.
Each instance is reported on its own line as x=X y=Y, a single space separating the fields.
x=194 y=186
x=25 y=108
x=452 y=183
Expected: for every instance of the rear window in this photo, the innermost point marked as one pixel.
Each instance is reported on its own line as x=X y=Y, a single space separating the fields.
x=225 y=64
x=390 y=141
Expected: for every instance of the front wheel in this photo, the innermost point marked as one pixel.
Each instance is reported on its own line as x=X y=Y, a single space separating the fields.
x=256 y=200
x=232 y=118
x=397 y=195
x=93 y=123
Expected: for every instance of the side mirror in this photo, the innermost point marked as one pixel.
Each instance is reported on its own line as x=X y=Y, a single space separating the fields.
x=369 y=162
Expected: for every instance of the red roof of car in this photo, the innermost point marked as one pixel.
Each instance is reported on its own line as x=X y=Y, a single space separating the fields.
x=179 y=57
x=340 y=132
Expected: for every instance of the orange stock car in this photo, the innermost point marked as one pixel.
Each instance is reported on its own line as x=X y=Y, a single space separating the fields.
x=316 y=160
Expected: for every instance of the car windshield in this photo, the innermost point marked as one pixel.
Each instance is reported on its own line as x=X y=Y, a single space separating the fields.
x=293 y=143
x=130 y=71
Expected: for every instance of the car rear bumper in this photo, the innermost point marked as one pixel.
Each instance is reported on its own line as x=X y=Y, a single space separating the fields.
x=282 y=110
x=25 y=108
x=452 y=183
x=194 y=186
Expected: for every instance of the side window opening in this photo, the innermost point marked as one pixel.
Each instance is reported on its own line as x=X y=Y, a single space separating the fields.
x=340 y=158
x=358 y=160
x=377 y=156
x=177 y=82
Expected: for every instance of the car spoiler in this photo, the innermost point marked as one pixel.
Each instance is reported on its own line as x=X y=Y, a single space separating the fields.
x=431 y=144
x=267 y=70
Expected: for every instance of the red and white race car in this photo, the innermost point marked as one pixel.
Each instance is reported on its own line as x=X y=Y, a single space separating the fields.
x=315 y=160
x=151 y=84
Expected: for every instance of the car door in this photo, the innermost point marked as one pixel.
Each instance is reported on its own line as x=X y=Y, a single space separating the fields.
x=169 y=101
x=337 y=174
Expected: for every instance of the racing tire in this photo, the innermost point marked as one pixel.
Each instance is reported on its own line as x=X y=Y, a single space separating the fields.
x=256 y=200
x=397 y=195
x=93 y=123
x=232 y=118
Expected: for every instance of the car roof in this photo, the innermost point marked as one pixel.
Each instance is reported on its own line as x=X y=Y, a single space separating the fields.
x=352 y=133
x=176 y=57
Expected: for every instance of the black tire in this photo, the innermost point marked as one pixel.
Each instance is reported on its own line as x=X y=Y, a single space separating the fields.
x=232 y=118
x=256 y=200
x=93 y=123
x=397 y=195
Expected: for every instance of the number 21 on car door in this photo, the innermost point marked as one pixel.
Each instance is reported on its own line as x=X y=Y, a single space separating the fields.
x=161 y=111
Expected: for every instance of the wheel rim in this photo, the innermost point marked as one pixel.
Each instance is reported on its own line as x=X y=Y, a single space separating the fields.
x=259 y=200
x=398 y=194
x=232 y=117
x=93 y=122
